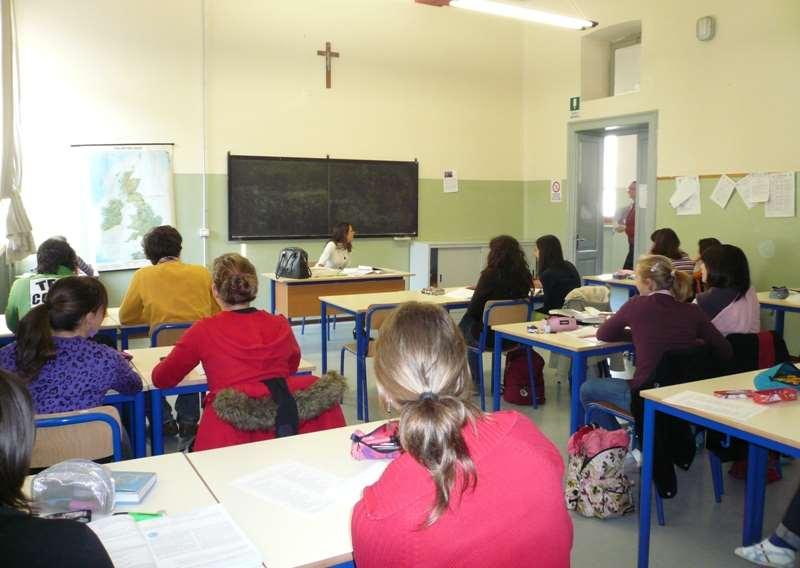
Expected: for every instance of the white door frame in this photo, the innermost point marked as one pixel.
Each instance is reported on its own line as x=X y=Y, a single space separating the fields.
x=648 y=214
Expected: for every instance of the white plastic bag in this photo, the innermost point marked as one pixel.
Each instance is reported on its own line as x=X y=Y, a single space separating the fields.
x=73 y=485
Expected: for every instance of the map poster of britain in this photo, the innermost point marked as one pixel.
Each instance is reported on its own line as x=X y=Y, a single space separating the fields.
x=127 y=191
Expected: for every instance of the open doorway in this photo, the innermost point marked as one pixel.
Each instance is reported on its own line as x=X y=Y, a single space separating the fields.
x=611 y=191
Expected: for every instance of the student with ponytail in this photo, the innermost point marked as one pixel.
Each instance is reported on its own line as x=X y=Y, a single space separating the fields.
x=463 y=492
x=249 y=357
x=66 y=370
x=659 y=320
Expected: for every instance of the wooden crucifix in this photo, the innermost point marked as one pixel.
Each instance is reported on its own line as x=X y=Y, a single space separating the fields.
x=327 y=53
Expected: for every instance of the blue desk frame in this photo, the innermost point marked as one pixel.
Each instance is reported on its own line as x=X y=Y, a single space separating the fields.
x=756 y=472
x=631 y=288
x=577 y=369
x=780 y=315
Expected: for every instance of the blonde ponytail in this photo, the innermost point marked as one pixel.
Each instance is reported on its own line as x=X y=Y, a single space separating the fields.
x=663 y=273
x=421 y=367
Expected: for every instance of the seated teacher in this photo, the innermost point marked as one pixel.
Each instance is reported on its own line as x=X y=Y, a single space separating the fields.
x=54 y=353
x=336 y=253
x=27 y=541
x=462 y=493
x=248 y=354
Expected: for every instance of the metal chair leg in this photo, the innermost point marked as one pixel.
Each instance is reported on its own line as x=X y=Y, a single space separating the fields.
x=532 y=377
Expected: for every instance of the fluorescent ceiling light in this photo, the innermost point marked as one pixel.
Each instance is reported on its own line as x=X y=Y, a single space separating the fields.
x=519 y=13
x=612 y=128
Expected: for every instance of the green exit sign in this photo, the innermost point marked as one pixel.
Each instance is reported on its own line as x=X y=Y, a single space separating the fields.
x=574 y=104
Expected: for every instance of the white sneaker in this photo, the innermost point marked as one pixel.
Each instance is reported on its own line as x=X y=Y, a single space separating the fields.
x=767 y=554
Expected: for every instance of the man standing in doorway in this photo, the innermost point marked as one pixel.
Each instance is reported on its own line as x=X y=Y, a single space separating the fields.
x=626 y=221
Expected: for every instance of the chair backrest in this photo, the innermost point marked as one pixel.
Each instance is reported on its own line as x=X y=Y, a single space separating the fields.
x=168 y=333
x=752 y=351
x=376 y=315
x=498 y=312
x=91 y=434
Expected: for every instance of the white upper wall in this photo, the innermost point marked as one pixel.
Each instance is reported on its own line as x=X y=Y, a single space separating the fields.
x=724 y=106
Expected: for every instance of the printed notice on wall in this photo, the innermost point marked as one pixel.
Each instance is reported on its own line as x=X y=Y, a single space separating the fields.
x=723 y=191
x=781 y=195
x=556 y=192
x=450 y=181
x=686 y=199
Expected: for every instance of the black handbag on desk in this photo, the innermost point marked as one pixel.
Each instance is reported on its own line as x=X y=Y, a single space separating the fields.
x=293 y=263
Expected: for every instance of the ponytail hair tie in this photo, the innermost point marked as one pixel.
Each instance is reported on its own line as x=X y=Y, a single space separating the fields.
x=672 y=273
x=428 y=395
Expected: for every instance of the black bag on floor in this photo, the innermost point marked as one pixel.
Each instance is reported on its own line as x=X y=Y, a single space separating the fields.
x=293 y=263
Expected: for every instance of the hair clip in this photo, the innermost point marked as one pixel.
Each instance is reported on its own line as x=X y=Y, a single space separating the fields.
x=428 y=395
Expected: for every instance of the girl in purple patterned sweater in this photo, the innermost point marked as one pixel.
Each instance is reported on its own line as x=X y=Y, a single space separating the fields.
x=66 y=370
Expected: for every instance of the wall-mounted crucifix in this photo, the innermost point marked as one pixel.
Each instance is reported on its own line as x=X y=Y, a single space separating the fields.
x=328 y=54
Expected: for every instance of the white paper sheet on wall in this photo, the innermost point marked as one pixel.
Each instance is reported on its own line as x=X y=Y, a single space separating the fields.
x=743 y=188
x=781 y=195
x=641 y=194
x=723 y=191
x=685 y=188
x=691 y=206
x=759 y=188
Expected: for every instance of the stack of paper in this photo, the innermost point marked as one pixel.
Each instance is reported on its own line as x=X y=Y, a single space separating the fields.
x=460 y=294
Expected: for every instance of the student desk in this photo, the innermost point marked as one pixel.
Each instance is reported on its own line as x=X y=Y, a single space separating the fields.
x=576 y=348
x=285 y=536
x=294 y=297
x=780 y=307
x=357 y=305
x=610 y=281
x=145 y=361
x=774 y=429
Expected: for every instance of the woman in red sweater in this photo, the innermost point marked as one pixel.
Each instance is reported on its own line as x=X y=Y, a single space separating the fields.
x=471 y=489
x=657 y=320
x=242 y=349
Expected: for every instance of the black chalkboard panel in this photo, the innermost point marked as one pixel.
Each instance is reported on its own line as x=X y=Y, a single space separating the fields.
x=291 y=198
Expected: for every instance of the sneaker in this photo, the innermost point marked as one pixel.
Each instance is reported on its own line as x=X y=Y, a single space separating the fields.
x=767 y=554
x=170 y=428
x=187 y=429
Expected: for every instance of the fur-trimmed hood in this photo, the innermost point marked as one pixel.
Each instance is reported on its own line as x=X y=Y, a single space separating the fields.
x=253 y=414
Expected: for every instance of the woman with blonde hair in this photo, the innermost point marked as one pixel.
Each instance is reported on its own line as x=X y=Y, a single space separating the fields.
x=447 y=495
x=657 y=320
x=250 y=359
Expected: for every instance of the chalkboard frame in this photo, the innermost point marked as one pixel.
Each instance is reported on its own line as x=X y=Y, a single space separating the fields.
x=327 y=160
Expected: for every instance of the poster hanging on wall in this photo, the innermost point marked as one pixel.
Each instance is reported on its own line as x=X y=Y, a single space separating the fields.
x=126 y=190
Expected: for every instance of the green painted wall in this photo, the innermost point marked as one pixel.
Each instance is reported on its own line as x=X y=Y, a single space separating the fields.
x=540 y=216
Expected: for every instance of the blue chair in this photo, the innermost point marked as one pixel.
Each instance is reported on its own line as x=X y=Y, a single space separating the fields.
x=713 y=461
x=375 y=316
x=91 y=434
x=498 y=312
x=168 y=333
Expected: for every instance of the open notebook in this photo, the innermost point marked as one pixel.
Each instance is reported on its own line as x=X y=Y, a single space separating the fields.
x=206 y=537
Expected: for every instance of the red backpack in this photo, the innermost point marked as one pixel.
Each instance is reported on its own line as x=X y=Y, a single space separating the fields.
x=516 y=386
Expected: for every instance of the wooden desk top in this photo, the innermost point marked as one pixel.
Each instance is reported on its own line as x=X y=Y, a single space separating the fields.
x=564 y=339
x=145 y=360
x=111 y=321
x=285 y=536
x=609 y=279
x=178 y=489
x=384 y=273
x=778 y=422
x=362 y=302
x=793 y=301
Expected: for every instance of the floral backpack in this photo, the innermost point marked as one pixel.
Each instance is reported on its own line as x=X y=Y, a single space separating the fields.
x=596 y=485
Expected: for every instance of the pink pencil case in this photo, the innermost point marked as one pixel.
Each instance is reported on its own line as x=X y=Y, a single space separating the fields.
x=382 y=443
x=561 y=323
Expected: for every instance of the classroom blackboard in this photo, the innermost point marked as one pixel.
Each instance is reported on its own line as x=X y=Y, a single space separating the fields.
x=302 y=198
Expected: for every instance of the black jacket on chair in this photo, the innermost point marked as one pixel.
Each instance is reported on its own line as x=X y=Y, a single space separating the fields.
x=674 y=439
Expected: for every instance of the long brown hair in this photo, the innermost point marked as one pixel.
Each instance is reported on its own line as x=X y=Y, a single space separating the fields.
x=507 y=259
x=235 y=278
x=339 y=236
x=660 y=270
x=68 y=301
x=421 y=367
x=17 y=434
x=666 y=243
